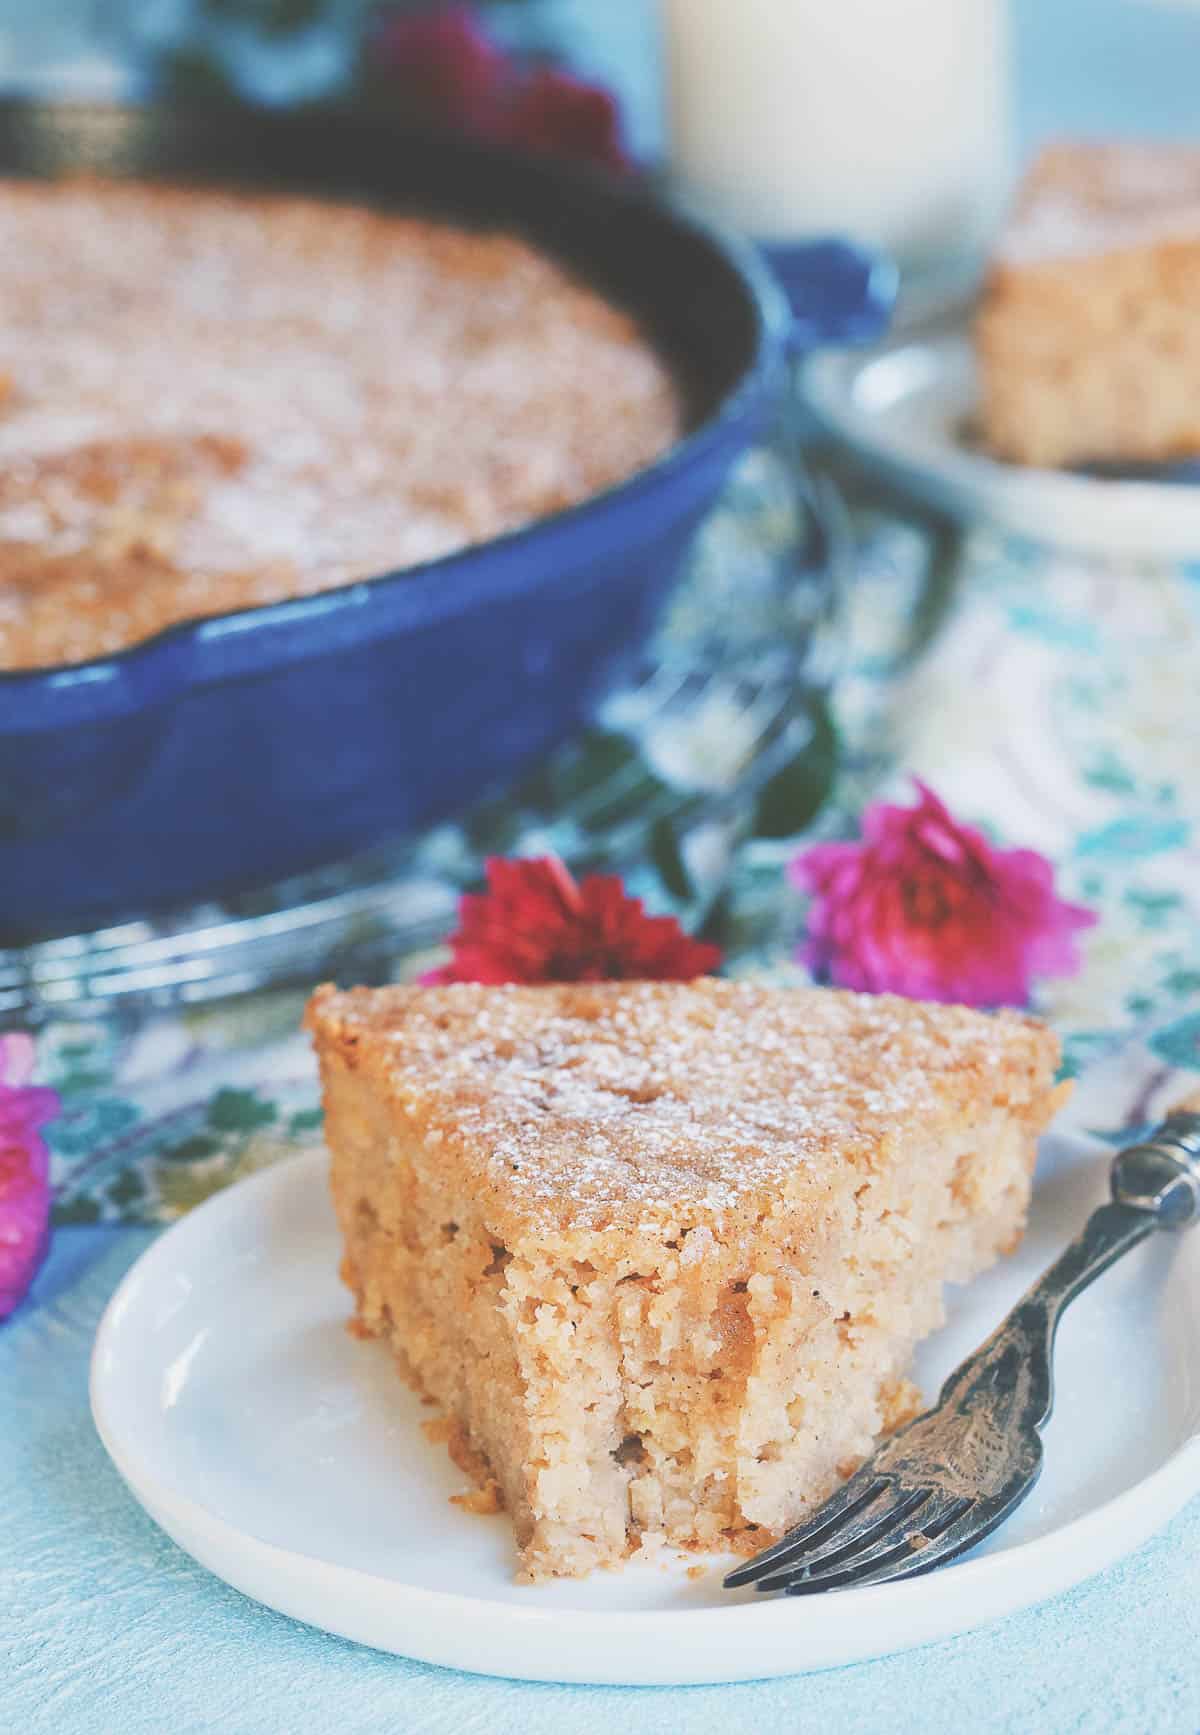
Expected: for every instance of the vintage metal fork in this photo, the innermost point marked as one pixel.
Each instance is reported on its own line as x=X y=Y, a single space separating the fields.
x=944 y=1481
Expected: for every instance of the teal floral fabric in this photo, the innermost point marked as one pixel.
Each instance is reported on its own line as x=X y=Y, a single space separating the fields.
x=1053 y=700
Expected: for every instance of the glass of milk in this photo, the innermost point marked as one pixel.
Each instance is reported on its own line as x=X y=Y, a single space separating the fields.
x=887 y=120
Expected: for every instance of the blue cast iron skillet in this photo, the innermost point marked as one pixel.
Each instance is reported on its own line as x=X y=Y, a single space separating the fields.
x=228 y=752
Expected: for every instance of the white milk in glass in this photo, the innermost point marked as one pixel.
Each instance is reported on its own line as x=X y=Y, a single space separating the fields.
x=883 y=119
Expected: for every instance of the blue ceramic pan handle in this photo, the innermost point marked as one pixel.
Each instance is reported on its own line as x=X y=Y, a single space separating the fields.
x=840 y=293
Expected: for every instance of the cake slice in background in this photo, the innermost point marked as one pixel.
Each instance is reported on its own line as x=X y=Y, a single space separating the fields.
x=1088 y=334
x=662 y=1251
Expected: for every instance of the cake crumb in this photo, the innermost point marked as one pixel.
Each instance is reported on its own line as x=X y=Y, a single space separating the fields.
x=902 y=1401
x=482 y=1502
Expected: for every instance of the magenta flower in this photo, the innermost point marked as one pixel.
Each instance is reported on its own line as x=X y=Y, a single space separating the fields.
x=24 y=1170
x=928 y=908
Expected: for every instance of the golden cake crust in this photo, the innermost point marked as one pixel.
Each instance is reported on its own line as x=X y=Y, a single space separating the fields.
x=614 y=1106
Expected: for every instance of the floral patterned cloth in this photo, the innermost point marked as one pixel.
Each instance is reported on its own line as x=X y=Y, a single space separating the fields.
x=1051 y=700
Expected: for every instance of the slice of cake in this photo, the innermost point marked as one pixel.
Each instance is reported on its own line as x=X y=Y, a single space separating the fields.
x=1088 y=336
x=662 y=1251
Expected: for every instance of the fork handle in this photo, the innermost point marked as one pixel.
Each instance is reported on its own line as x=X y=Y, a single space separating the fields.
x=1155 y=1185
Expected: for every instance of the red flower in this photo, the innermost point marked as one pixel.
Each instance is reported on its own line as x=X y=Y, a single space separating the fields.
x=535 y=923
x=444 y=69
x=926 y=907
x=558 y=115
x=24 y=1170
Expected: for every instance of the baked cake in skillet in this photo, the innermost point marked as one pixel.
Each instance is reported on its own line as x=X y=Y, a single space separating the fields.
x=209 y=401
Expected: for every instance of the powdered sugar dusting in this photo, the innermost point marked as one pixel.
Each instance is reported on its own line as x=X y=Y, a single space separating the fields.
x=1084 y=200
x=208 y=401
x=638 y=1101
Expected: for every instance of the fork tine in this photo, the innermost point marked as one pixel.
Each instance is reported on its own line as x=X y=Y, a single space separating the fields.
x=878 y=1524
x=852 y=1498
x=950 y=1535
x=898 y=1556
x=978 y=1522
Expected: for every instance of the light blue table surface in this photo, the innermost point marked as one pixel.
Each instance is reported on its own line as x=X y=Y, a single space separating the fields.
x=106 y=1627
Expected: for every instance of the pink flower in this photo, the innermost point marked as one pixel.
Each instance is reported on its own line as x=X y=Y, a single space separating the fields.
x=24 y=1170
x=536 y=923
x=558 y=115
x=444 y=69
x=926 y=907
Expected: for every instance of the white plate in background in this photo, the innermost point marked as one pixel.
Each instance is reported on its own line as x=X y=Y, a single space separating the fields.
x=903 y=409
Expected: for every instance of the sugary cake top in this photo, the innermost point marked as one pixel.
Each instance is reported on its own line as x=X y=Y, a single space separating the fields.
x=633 y=1104
x=212 y=400
x=1088 y=199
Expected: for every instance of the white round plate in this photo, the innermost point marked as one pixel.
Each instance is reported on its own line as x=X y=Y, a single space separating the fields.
x=289 y=1459
x=903 y=408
